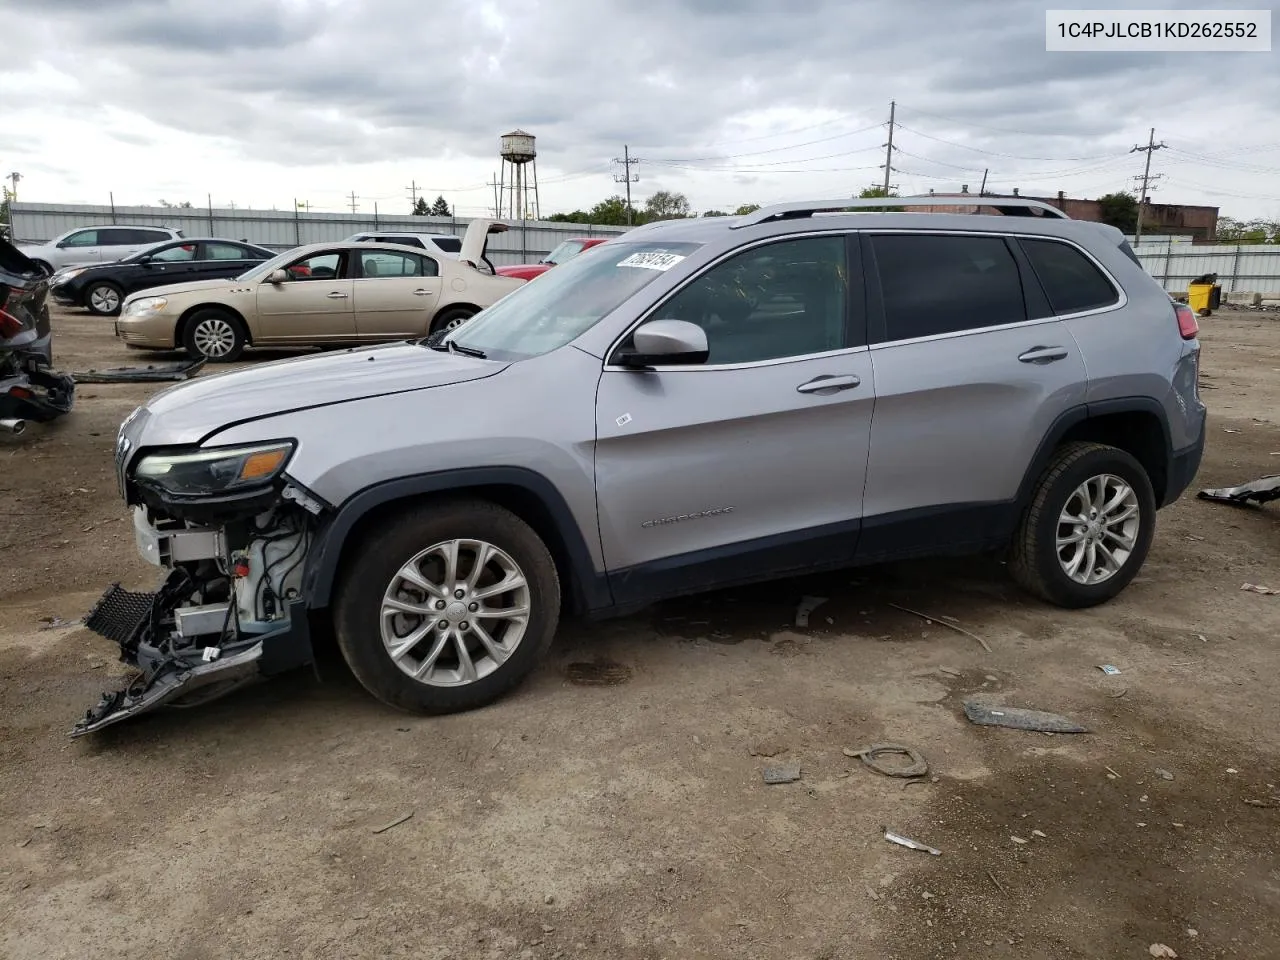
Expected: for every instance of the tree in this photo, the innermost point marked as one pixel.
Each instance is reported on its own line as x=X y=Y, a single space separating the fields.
x=420 y=208
x=1120 y=210
x=441 y=208
x=874 y=192
x=6 y=221
x=715 y=213
x=184 y=205
x=1231 y=230
x=746 y=208
x=574 y=216
x=665 y=205
x=611 y=212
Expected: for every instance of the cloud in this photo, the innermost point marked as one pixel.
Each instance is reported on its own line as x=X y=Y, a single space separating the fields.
x=283 y=91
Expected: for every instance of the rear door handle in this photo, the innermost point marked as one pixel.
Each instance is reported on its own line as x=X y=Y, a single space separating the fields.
x=1043 y=355
x=337 y=295
x=830 y=384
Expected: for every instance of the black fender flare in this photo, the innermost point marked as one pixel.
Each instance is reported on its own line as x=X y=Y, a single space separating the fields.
x=1079 y=414
x=588 y=588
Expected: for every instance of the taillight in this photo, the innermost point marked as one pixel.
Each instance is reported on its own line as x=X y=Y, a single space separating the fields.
x=10 y=326
x=1188 y=326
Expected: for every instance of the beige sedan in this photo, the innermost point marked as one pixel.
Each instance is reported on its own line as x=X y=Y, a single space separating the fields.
x=320 y=295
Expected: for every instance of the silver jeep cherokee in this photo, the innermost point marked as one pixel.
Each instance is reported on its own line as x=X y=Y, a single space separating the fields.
x=695 y=404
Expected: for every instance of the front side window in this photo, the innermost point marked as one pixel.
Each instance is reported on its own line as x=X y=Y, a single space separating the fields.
x=784 y=299
x=934 y=284
x=83 y=238
x=537 y=318
x=383 y=263
x=1070 y=280
x=320 y=266
x=184 y=251
x=565 y=251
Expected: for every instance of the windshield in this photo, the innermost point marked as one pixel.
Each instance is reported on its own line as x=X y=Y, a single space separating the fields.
x=566 y=251
x=262 y=269
x=545 y=314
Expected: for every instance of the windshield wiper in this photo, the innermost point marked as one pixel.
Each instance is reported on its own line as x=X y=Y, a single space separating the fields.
x=456 y=347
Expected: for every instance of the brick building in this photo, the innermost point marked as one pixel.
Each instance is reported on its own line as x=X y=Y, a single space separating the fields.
x=1167 y=218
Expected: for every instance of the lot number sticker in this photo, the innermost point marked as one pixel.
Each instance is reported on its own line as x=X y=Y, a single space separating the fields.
x=651 y=260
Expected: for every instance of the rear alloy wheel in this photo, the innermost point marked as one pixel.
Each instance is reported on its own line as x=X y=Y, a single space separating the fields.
x=214 y=334
x=103 y=299
x=448 y=607
x=1088 y=528
x=451 y=319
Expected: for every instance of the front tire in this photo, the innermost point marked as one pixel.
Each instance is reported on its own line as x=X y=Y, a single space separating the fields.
x=1088 y=528
x=103 y=299
x=214 y=334
x=447 y=607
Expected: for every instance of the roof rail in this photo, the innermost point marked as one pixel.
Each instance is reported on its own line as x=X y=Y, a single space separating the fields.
x=807 y=208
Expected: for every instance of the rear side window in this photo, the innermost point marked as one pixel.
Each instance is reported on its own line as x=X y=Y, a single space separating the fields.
x=449 y=244
x=933 y=284
x=402 y=241
x=123 y=237
x=1070 y=280
x=152 y=236
x=228 y=251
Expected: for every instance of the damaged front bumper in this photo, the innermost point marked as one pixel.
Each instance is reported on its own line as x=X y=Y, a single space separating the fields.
x=228 y=611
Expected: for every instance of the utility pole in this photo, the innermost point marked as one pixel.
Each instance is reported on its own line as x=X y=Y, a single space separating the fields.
x=413 y=194
x=888 y=153
x=982 y=190
x=627 y=176
x=497 y=202
x=302 y=205
x=354 y=198
x=14 y=178
x=1146 y=177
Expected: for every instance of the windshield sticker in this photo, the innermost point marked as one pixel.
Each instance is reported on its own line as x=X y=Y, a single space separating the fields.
x=651 y=260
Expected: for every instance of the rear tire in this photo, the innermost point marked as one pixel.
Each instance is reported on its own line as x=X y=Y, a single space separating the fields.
x=214 y=334
x=48 y=270
x=103 y=299
x=470 y=649
x=453 y=317
x=1088 y=528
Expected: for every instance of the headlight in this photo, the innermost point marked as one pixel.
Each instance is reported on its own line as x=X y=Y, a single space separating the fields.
x=147 y=306
x=68 y=273
x=214 y=471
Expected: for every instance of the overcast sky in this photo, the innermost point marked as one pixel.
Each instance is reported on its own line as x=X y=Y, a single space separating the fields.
x=257 y=102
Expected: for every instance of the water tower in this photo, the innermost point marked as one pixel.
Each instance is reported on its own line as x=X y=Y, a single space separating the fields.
x=518 y=184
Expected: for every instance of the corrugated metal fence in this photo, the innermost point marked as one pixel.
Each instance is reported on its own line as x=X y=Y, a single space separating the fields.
x=524 y=242
x=1241 y=268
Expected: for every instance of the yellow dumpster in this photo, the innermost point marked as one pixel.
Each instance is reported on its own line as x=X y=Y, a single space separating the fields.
x=1204 y=294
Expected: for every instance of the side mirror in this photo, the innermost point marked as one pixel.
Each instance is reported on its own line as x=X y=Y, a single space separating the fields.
x=666 y=342
x=278 y=275
x=145 y=259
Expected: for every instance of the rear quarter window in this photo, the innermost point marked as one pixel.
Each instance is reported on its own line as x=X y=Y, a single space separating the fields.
x=449 y=244
x=1071 y=281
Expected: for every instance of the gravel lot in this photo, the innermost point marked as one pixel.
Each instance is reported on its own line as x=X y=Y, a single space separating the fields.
x=627 y=818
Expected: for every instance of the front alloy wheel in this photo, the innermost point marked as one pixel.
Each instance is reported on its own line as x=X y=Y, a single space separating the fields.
x=104 y=299
x=446 y=606
x=214 y=334
x=1098 y=529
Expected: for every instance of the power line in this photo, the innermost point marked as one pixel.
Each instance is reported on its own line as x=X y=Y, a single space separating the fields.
x=354 y=198
x=413 y=194
x=782 y=133
x=761 y=153
x=1006 y=156
x=983 y=126
x=627 y=177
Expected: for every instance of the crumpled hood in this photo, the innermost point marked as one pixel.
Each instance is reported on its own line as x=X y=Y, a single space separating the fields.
x=189 y=412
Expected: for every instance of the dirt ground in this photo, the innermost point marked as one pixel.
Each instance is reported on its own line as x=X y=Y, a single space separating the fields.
x=627 y=817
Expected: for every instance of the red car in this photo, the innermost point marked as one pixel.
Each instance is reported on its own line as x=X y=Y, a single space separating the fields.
x=566 y=251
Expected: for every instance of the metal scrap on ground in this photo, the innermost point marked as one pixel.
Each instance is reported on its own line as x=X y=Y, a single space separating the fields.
x=944 y=622
x=909 y=843
x=806 y=607
x=1262 y=490
x=152 y=372
x=1258 y=588
x=1018 y=719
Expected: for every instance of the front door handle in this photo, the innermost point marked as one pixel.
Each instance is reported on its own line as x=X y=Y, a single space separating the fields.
x=829 y=384
x=337 y=295
x=1043 y=355
x=421 y=293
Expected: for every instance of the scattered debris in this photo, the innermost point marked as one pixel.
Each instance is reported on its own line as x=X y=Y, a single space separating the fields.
x=1018 y=840
x=1258 y=588
x=1040 y=833
x=872 y=894
x=807 y=606
x=394 y=823
x=1117 y=696
x=549 y=899
x=151 y=373
x=1192 y=932
x=1163 y=774
x=1108 y=669
x=850 y=752
x=909 y=843
x=786 y=773
x=1019 y=719
x=1114 y=775
x=1262 y=490
x=1160 y=950
x=993 y=879
x=766 y=748
x=917 y=766
x=950 y=672
x=1273 y=802
x=56 y=623
x=1232 y=770
x=950 y=626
